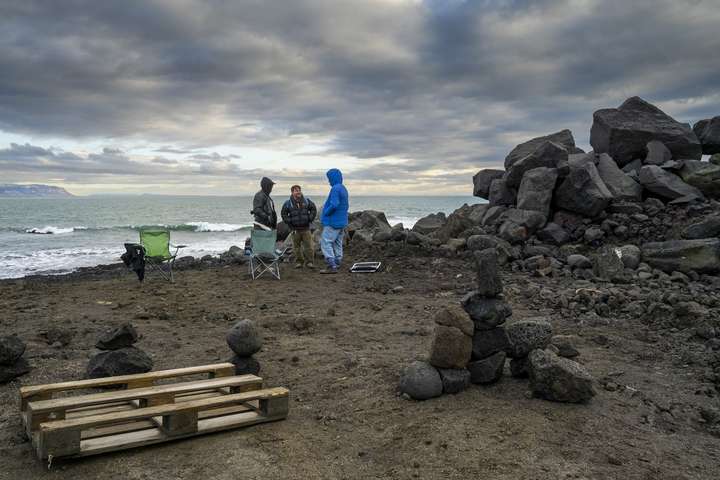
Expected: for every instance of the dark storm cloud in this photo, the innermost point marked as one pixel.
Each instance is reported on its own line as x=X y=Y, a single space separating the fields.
x=445 y=85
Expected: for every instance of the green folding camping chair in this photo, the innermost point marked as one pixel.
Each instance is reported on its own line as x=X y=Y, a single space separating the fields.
x=264 y=257
x=156 y=244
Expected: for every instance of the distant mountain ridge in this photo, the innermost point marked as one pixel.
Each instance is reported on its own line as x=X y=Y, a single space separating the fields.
x=12 y=190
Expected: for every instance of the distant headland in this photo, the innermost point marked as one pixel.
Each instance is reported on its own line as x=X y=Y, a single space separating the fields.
x=35 y=191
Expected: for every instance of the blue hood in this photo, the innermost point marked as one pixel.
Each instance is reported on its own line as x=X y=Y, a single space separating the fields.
x=334 y=176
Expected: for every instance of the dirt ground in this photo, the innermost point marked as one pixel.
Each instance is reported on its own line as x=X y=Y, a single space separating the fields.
x=339 y=343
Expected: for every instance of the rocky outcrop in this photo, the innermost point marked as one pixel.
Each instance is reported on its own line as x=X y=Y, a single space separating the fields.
x=624 y=132
x=706 y=228
x=482 y=181
x=429 y=223
x=536 y=190
x=683 y=255
x=559 y=379
x=563 y=137
x=548 y=154
x=619 y=184
x=583 y=191
x=501 y=194
x=708 y=132
x=665 y=184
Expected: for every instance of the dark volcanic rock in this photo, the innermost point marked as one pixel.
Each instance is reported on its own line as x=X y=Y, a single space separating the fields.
x=124 y=361
x=489 y=283
x=454 y=380
x=563 y=137
x=482 y=180
x=665 y=184
x=415 y=238
x=658 y=153
x=608 y=263
x=487 y=342
x=553 y=234
x=685 y=256
x=565 y=346
x=487 y=370
x=14 y=370
x=548 y=154
x=625 y=131
x=527 y=335
x=704 y=176
x=708 y=227
x=11 y=349
x=430 y=223
x=512 y=232
x=245 y=365
x=367 y=220
x=519 y=367
x=244 y=339
x=123 y=336
x=620 y=185
x=485 y=312
x=583 y=191
x=421 y=381
x=501 y=194
x=450 y=348
x=708 y=132
x=559 y=379
x=536 y=190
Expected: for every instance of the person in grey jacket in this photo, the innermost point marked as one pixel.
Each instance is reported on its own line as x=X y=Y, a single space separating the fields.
x=263 y=206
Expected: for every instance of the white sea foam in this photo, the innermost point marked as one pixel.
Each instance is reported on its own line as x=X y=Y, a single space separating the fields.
x=53 y=230
x=217 y=227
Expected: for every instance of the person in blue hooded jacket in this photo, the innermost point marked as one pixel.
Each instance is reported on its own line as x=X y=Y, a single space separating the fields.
x=334 y=218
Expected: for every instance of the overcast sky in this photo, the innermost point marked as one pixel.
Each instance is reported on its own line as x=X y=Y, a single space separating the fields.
x=404 y=96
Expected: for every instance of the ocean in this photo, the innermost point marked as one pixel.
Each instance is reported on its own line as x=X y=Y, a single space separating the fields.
x=58 y=235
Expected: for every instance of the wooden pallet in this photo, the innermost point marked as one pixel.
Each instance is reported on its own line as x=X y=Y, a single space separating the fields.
x=144 y=413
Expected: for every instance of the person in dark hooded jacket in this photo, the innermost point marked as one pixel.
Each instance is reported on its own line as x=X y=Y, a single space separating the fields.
x=334 y=219
x=298 y=212
x=263 y=207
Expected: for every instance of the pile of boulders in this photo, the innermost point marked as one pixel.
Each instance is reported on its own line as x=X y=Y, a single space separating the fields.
x=244 y=340
x=12 y=363
x=118 y=355
x=471 y=345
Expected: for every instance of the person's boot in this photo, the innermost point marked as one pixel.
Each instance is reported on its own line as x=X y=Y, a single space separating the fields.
x=331 y=268
x=298 y=265
x=310 y=265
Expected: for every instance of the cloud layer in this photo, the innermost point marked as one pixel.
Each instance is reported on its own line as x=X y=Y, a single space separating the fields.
x=401 y=93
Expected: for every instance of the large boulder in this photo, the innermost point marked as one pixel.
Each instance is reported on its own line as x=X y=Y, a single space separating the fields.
x=487 y=370
x=536 y=190
x=701 y=255
x=121 y=337
x=708 y=227
x=487 y=342
x=451 y=348
x=548 y=154
x=11 y=349
x=415 y=238
x=367 y=220
x=457 y=222
x=421 y=381
x=563 y=137
x=124 y=361
x=430 y=223
x=501 y=194
x=583 y=191
x=704 y=176
x=620 y=185
x=244 y=338
x=625 y=131
x=665 y=184
x=559 y=379
x=658 y=153
x=708 y=132
x=482 y=180
x=486 y=313
x=489 y=283
x=14 y=370
x=527 y=335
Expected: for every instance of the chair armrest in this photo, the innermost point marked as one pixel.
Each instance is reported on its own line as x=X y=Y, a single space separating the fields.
x=178 y=246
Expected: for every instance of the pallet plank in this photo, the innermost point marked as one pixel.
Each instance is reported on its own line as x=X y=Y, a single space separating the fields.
x=141 y=380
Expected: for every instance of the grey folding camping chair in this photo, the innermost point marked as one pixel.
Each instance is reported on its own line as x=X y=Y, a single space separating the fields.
x=264 y=257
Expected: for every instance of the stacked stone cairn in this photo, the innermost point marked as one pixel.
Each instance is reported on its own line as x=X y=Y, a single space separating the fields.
x=12 y=363
x=471 y=346
x=118 y=355
x=244 y=340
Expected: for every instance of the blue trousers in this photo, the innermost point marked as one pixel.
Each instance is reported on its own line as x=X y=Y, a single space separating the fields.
x=331 y=244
